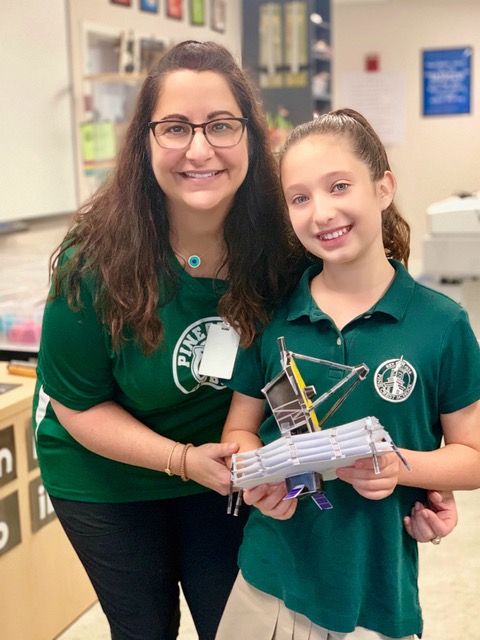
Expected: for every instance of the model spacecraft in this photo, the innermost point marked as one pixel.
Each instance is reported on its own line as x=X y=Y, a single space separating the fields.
x=304 y=456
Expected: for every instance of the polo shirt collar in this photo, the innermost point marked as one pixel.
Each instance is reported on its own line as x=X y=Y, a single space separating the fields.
x=301 y=302
x=393 y=303
x=398 y=295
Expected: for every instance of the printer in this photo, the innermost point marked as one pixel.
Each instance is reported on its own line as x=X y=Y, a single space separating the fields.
x=451 y=251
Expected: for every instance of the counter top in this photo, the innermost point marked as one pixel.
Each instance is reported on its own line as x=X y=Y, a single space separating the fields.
x=15 y=400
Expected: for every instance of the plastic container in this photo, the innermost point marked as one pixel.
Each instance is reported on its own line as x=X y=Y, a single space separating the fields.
x=21 y=323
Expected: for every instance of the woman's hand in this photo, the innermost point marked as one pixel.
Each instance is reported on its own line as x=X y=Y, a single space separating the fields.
x=268 y=498
x=207 y=465
x=436 y=519
x=369 y=484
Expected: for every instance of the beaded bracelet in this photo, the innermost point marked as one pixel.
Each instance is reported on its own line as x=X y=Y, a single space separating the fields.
x=167 y=469
x=183 y=473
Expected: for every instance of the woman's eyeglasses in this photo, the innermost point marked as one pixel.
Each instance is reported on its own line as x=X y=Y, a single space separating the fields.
x=178 y=134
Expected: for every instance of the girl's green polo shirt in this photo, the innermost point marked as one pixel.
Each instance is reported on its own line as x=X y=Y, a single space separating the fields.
x=78 y=367
x=355 y=565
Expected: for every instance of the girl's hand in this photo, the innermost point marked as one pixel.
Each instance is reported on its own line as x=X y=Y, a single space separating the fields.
x=207 y=465
x=268 y=498
x=369 y=484
x=436 y=519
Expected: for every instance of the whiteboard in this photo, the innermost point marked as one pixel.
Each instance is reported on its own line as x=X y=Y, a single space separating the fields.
x=37 y=172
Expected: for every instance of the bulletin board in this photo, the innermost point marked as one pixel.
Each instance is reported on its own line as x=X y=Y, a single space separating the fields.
x=447 y=77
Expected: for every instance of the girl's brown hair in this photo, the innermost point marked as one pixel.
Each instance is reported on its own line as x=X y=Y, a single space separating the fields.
x=121 y=234
x=369 y=149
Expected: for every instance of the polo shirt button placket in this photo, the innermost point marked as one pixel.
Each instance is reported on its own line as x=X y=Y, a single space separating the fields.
x=339 y=342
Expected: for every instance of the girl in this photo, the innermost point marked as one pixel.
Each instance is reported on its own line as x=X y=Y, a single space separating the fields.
x=351 y=572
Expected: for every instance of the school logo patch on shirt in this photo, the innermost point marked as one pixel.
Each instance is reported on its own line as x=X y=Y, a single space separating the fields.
x=395 y=379
x=188 y=354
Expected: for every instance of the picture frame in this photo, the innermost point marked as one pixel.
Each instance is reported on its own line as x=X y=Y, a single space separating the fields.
x=122 y=3
x=197 y=13
x=174 y=9
x=218 y=15
x=150 y=6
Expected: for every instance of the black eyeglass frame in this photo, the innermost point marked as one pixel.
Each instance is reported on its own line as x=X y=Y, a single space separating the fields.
x=243 y=121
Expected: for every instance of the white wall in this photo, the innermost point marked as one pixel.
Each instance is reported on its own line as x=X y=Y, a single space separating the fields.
x=440 y=154
x=40 y=71
x=36 y=135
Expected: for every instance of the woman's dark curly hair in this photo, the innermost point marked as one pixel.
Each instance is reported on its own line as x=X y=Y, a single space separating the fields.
x=121 y=234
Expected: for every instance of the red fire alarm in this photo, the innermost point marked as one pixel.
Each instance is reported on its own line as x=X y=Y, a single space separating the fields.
x=372 y=62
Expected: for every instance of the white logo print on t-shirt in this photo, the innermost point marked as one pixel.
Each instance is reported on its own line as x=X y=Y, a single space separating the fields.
x=188 y=354
x=395 y=379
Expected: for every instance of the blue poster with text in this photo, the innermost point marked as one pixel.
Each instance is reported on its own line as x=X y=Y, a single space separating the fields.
x=447 y=81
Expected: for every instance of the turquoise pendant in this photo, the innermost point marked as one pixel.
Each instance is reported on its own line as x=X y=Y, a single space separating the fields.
x=194 y=262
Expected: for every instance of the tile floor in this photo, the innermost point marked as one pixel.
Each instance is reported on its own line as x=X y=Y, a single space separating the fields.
x=449 y=586
x=93 y=626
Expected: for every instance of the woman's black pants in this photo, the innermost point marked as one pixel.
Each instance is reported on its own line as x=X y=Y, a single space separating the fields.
x=137 y=553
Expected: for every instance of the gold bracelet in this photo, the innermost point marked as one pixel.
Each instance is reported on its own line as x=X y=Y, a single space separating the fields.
x=167 y=469
x=183 y=473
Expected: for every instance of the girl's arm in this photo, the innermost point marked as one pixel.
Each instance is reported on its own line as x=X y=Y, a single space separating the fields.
x=455 y=465
x=243 y=422
x=110 y=431
x=242 y=426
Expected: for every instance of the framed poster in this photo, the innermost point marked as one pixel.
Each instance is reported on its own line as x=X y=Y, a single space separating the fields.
x=197 y=13
x=447 y=79
x=149 y=5
x=218 y=15
x=175 y=9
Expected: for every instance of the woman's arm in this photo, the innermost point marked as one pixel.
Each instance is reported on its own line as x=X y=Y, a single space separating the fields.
x=434 y=520
x=110 y=431
x=242 y=425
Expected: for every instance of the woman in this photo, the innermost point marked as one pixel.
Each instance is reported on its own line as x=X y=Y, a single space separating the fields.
x=137 y=281
x=187 y=231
